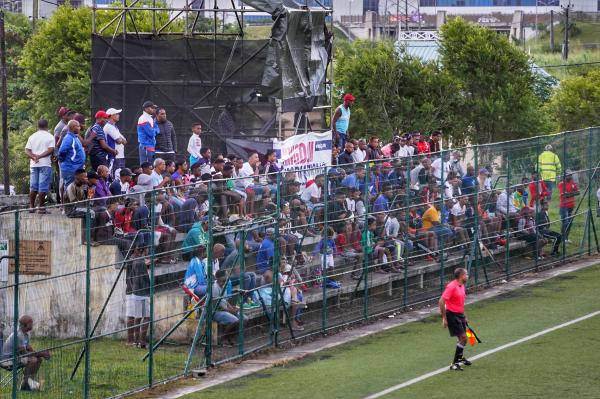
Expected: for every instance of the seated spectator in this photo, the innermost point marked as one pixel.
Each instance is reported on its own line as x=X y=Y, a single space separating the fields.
x=544 y=227
x=102 y=192
x=195 y=276
x=452 y=188
x=469 y=181
x=456 y=166
x=519 y=197
x=165 y=219
x=458 y=215
x=397 y=176
x=120 y=186
x=137 y=296
x=92 y=181
x=357 y=179
x=432 y=221
x=225 y=314
x=29 y=359
x=104 y=232
x=417 y=233
x=441 y=167
x=290 y=298
x=484 y=180
x=325 y=249
x=205 y=161
x=421 y=174
x=345 y=159
x=236 y=278
x=313 y=196
x=249 y=174
x=266 y=252
x=526 y=231
x=505 y=206
x=345 y=249
x=157 y=175
x=74 y=196
x=405 y=150
x=180 y=176
x=382 y=202
x=198 y=235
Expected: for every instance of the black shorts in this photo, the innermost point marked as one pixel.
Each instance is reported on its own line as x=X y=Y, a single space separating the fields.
x=457 y=324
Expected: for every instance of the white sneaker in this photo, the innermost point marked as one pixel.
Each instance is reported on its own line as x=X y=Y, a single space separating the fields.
x=33 y=384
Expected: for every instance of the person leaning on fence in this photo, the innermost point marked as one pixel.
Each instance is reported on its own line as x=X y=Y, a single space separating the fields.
x=29 y=359
x=39 y=149
x=137 y=295
x=550 y=168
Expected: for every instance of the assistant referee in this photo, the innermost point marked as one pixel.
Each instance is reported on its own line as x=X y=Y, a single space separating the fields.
x=452 y=308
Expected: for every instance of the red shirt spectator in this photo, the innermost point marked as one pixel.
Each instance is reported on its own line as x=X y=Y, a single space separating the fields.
x=567 y=201
x=423 y=147
x=533 y=192
x=123 y=219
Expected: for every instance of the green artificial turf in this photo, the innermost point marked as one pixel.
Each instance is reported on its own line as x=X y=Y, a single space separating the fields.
x=377 y=362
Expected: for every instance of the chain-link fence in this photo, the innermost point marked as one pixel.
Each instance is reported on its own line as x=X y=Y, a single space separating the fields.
x=116 y=294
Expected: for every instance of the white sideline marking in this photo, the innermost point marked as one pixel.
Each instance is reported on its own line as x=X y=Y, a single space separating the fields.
x=483 y=354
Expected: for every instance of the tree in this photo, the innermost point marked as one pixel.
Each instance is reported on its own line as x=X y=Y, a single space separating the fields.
x=576 y=103
x=395 y=92
x=56 y=59
x=496 y=80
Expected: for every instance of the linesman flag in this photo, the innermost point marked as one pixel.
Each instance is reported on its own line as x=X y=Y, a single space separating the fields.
x=472 y=337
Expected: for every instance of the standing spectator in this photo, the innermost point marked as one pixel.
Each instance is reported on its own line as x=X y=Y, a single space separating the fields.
x=550 y=168
x=537 y=186
x=195 y=143
x=31 y=360
x=340 y=123
x=435 y=143
x=64 y=116
x=121 y=185
x=568 y=190
x=39 y=149
x=114 y=134
x=166 y=140
x=137 y=296
x=99 y=150
x=147 y=131
x=71 y=154
x=404 y=150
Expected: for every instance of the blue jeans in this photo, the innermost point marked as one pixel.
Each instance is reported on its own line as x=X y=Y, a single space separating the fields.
x=68 y=177
x=145 y=154
x=342 y=141
x=550 y=188
x=40 y=179
x=567 y=221
x=200 y=290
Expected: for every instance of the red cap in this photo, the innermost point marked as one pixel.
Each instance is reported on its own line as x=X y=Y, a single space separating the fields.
x=349 y=97
x=101 y=114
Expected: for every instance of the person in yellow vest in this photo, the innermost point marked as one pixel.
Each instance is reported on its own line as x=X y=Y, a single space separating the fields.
x=550 y=168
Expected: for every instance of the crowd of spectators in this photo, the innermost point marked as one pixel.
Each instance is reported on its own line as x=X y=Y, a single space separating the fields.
x=383 y=206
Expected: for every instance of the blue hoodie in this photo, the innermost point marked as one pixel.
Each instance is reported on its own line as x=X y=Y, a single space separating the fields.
x=71 y=153
x=147 y=130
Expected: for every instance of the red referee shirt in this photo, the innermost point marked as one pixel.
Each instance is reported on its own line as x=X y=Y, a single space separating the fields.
x=454 y=296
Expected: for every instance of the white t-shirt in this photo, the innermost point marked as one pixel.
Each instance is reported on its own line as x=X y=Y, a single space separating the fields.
x=246 y=171
x=115 y=134
x=311 y=192
x=194 y=145
x=406 y=151
x=458 y=210
x=359 y=155
x=437 y=168
x=38 y=143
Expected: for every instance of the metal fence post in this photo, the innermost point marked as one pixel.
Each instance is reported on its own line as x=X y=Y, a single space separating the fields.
x=324 y=249
x=209 y=274
x=365 y=244
x=507 y=231
x=242 y=259
x=88 y=253
x=16 y=306
x=152 y=265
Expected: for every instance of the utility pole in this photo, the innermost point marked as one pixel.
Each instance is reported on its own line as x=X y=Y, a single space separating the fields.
x=35 y=13
x=567 y=28
x=552 y=31
x=4 y=105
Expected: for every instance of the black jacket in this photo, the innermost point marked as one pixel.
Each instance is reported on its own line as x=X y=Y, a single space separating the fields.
x=166 y=141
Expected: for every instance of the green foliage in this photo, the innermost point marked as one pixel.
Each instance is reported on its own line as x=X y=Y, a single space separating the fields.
x=396 y=93
x=57 y=58
x=497 y=82
x=576 y=104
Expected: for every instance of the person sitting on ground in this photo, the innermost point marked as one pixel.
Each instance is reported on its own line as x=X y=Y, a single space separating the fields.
x=225 y=314
x=137 y=295
x=29 y=359
x=544 y=227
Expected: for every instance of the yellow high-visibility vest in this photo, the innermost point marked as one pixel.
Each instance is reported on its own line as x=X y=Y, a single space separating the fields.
x=549 y=165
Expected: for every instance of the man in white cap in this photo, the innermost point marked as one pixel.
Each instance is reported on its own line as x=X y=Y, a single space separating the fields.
x=550 y=167
x=113 y=134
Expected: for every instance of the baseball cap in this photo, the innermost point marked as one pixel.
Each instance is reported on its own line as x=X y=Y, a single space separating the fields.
x=101 y=114
x=349 y=97
x=148 y=103
x=125 y=172
x=568 y=172
x=113 y=111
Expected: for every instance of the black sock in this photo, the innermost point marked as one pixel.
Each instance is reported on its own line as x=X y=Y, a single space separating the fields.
x=458 y=354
